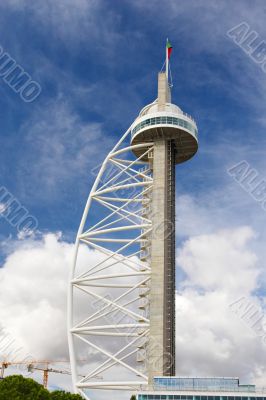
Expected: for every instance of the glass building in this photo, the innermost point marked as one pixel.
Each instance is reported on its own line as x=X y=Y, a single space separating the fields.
x=177 y=388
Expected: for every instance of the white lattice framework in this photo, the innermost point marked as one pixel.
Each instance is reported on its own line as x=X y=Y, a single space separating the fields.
x=108 y=309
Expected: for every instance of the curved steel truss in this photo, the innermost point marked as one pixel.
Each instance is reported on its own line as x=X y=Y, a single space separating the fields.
x=110 y=279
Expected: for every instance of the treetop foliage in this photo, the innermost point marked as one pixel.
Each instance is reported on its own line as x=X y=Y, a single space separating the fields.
x=16 y=387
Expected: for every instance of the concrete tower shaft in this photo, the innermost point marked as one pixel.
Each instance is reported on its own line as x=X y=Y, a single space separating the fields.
x=161 y=348
x=174 y=135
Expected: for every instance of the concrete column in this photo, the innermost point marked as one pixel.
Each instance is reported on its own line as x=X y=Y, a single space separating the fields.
x=161 y=348
x=164 y=93
x=156 y=344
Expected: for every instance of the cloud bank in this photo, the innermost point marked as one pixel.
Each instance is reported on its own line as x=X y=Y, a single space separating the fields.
x=219 y=268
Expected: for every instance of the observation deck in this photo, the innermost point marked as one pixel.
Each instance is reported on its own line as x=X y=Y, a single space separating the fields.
x=171 y=123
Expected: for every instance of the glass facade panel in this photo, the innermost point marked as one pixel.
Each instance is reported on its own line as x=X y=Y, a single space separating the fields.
x=211 y=384
x=165 y=121
x=187 y=397
x=211 y=388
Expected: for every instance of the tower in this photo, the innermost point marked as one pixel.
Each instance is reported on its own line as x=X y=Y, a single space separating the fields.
x=174 y=137
x=122 y=284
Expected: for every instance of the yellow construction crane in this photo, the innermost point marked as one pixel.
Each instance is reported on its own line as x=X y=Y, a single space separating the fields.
x=46 y=371
x=34 y=365
x=6 y=364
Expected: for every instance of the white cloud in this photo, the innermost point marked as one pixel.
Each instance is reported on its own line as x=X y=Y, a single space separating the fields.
x=33 y=296
x=220 y=261
x=220 y=267
x=33 y=304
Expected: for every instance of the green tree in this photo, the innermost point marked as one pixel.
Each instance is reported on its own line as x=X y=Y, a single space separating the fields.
x=133 y=397
x=16 y=387
x=61 y=395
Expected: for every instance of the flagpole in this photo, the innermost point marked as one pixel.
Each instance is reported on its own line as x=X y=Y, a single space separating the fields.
x=166 y=60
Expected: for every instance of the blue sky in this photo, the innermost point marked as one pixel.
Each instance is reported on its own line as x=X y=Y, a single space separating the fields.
x=97 y=64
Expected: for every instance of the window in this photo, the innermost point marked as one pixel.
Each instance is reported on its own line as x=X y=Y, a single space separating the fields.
x=168 y=121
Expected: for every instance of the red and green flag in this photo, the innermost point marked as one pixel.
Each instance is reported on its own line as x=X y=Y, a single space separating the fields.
x=169 y=48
